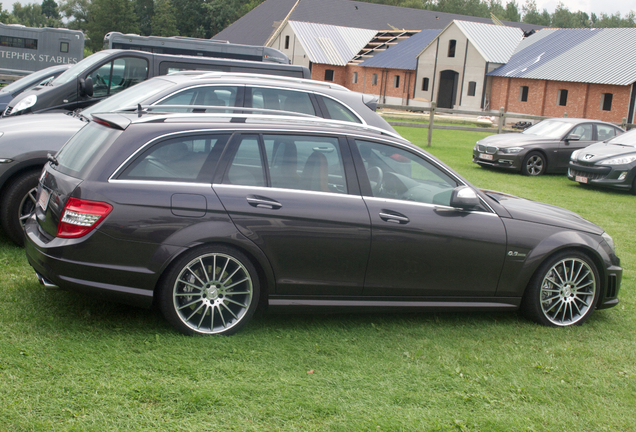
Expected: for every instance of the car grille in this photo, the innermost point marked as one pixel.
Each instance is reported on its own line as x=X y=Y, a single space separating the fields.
x=8 y=111
x=486 y=149
x=590 y=175
x=611 y=286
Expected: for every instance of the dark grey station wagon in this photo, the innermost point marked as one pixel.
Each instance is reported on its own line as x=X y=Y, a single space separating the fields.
x=211 y=215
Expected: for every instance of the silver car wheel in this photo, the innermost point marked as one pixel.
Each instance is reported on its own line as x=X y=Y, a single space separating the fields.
x=567 y=291
x=212 y=293
x=535 y=165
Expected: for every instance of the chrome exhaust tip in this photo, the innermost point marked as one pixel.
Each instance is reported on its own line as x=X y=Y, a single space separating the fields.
x=47 y=284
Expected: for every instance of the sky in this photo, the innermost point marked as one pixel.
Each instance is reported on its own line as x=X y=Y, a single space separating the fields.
x=589 y=6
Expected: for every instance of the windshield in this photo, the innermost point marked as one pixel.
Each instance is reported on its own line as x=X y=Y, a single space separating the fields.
x=549 y=129
x=626 y=139
x=80 y=67
x=35 y=78
x=128 y=99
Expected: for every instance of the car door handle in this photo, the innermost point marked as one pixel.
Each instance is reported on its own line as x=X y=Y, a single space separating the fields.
x=394 y=218
x=263 y=202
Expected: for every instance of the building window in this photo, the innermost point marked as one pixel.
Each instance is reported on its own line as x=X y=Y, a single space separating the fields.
x=329 y=75
x=472 y=86
x=562 y=97
x=523 y=93
x=16 y=42
x=355 y=77
x=286 y=42
x=451 y=47
x=64 y=47
x=606 y=101
x=425 y=84
x=374 y=79
x=396 y=81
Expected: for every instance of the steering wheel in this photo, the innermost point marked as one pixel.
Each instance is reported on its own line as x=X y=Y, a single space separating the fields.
x=375 y=175
x=100 y=79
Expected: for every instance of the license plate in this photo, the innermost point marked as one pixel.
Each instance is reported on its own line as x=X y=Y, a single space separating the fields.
x=485 y=156
x=43 y=201
x=581 y=179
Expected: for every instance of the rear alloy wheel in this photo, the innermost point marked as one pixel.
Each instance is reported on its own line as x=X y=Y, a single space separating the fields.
x=563 y=291
x=210 y=290
x=534 y=164
x=18 y=204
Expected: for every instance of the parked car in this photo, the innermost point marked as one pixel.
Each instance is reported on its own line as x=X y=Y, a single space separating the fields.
x=27 y=140
x=609 y=164
x=543 y=148
x=109 y=72
x=41 y=77
x=211 y=215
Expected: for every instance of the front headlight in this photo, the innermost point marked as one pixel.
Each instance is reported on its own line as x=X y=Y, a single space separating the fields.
x=574 y=154
x=25 y=103
x=609 y=241
x=510 y=150
x=619 y=160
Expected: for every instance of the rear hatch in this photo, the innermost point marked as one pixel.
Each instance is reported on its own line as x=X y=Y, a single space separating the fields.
x=59 y=198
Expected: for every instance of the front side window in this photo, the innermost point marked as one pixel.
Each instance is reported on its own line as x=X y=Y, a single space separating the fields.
x=398 y=174
x=585 y=131
x=118 y=75
x=280 y=99
x=310 y=163
x=183 y=159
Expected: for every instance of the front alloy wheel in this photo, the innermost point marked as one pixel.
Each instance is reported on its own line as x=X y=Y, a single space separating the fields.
x=212 y=290
x=563 y=292
x=534 y=164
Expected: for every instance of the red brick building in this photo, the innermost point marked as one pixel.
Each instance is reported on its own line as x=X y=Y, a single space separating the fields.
x=582 y=72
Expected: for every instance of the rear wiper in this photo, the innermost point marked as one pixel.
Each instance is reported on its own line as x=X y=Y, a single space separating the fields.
x=52 y=159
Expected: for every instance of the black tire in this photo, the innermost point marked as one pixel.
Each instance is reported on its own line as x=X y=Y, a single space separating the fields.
x=210 y=290
x=534 y=164
x=563 y=291
x=18 y=203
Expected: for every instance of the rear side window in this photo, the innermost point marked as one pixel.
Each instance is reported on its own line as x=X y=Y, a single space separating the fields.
x=284 y=100
x=182 y=159
x=210 y=96
x=338 y=111
x=84 y=149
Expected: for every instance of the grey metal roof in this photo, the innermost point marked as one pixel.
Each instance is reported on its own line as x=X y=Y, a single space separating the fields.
x=257 y=26
x=495 y=43
x=328 y=44
x=597 y=56
x=404 y=54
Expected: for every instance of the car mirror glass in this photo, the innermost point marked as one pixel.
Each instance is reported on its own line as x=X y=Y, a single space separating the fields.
x=464 y=198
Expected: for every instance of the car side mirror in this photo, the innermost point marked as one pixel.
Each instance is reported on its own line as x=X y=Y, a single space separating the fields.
x=464 y=197
x=573 y=137
x=86 y=86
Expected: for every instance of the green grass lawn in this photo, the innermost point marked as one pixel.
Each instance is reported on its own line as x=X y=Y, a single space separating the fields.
x=72 y=363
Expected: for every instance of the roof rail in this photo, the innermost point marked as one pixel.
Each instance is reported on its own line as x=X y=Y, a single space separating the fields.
x=209 y=74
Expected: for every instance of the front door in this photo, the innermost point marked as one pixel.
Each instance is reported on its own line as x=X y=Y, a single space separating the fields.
x=419 y=245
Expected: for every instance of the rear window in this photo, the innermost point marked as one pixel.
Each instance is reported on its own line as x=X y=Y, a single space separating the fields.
x=84 y=149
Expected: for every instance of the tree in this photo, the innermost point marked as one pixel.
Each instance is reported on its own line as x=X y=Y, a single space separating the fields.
x=49 y=9
x=192 y=18
x=29 y=15
x=75 y=12
x=109 y=15
x=145 y=10
x=531 y=14
x=563 y=18
x=512 y=12
x=163 y=20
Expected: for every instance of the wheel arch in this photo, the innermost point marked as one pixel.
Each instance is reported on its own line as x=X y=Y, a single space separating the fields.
x=20 y=168
x=254 y=254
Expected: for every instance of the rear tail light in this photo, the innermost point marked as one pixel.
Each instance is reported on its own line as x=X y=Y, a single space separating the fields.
x=81 y=216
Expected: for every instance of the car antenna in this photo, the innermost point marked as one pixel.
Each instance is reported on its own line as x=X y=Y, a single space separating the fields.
x=140 y=110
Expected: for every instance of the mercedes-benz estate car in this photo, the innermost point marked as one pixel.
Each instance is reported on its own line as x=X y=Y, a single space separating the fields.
x=543 y=148
x=211 y=215
x=25 y=141
x=610 y=164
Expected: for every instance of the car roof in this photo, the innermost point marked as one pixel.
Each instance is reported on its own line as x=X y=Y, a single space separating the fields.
x=282 y=122
x=575 y=120
x=206 y=77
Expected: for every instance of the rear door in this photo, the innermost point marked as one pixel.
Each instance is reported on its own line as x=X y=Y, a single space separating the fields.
x=295 y=196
